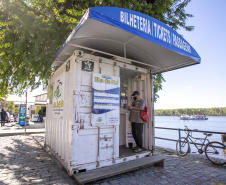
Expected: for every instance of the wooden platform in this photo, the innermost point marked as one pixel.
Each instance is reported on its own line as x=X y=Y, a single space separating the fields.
x=126 y=152
x=109 y=171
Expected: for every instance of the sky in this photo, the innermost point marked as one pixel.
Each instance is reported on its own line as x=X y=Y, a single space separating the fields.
x=202 y=85
x=30 y=96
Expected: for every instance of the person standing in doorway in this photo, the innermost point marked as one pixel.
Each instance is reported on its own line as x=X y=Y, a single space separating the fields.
x=3 y=117
x=136 y=120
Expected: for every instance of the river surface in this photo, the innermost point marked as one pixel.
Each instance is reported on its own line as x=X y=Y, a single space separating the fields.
x=214 y=123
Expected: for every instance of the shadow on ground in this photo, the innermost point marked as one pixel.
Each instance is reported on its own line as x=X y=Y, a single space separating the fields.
x=24 y=162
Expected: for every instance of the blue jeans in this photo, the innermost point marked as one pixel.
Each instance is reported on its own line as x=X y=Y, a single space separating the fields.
x=39 y=118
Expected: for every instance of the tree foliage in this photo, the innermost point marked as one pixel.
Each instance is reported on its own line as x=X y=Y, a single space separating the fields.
x=32 y=31
x=9 y=106
x=157 y=83
x=192 y=111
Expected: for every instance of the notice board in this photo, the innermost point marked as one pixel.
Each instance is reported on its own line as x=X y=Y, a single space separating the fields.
x=105 y=100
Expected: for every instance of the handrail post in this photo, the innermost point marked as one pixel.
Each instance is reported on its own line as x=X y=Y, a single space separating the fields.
x=179 y=137
x=179 y=133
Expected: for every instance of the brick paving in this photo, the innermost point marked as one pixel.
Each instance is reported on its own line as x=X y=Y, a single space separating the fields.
x=192 y=169
x=23 y=161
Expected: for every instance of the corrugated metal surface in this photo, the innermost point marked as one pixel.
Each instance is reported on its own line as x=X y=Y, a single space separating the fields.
x=70 y=135
x=41 y=97
x=85 y=148
x=59 y=128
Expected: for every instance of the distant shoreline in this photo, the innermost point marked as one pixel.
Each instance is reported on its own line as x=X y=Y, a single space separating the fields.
x=216 y=111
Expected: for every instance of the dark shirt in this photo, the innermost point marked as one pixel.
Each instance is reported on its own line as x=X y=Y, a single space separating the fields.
x=3 y=115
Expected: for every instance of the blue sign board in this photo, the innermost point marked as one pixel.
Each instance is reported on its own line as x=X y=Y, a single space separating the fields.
x=132 y=35
x=22 y=112
x=143 y=26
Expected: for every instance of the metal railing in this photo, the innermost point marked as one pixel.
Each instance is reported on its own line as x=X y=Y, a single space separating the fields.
x=179 y=132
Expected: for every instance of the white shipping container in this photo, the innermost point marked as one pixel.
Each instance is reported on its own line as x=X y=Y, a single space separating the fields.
x=70 y=136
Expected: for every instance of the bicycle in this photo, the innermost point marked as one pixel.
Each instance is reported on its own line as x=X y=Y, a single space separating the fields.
x=214 y=151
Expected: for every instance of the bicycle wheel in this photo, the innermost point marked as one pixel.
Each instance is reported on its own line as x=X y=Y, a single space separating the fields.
x=216 y=152
x=182 y=146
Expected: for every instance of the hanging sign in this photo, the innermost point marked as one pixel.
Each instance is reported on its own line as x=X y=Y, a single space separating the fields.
x=22 y=112
x=105 y=100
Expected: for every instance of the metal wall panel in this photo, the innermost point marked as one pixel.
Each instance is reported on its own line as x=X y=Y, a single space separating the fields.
x=58 y=136
x=85 y=143
x=71 y=137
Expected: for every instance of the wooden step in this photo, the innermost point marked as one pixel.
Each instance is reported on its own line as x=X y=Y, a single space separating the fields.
x=117 y=169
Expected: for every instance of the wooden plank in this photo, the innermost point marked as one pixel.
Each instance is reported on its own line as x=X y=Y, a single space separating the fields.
x=117 y=169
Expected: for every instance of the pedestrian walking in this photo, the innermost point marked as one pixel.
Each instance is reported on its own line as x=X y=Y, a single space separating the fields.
x=137 y=122
x=3 y=117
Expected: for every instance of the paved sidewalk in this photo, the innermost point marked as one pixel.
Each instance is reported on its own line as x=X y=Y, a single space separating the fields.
x=13 y=128
x=23 y=161
x=192 y=170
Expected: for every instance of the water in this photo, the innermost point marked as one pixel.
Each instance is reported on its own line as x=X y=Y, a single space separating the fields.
x=214 y=123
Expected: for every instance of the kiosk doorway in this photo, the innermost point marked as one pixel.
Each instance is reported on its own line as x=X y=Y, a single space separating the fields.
x=132 y=80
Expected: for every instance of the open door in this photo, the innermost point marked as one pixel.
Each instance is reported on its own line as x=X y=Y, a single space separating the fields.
x=134 y=79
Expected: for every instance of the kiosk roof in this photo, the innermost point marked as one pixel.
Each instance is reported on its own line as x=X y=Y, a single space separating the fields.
x=143 y=40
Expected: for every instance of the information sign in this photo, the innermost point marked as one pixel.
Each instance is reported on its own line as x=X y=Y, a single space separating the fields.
x=22 y=112
x=105 y=100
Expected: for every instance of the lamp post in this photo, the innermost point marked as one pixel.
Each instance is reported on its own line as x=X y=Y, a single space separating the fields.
x=26 y=115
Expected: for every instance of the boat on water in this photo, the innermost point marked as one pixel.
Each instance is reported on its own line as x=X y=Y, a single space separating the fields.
x=193 y=117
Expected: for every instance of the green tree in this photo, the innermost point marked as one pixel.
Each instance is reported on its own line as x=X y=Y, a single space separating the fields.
x=32 y=31
x=198 y=111
x=157 y=83
x=9 y=105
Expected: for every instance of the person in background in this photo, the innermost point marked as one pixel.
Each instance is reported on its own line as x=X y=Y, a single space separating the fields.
x=44 y=112
x=3 y=117
x=39 y=115
x=137 y=122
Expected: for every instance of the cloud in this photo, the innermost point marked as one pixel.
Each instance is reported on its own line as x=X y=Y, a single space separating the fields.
x=188 y=88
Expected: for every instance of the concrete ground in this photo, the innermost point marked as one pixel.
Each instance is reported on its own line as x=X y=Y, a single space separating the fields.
x=15 y=126
x=12 y=128
x=23 y=161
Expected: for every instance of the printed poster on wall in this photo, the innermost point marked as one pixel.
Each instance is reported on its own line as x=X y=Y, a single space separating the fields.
x=105 y=100
x=58 y=97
